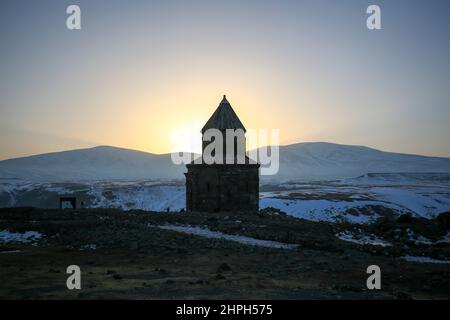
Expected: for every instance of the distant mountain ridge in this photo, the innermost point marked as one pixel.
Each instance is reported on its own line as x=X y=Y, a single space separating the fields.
x=309 y=160
x=323 y=160
x=97 y=163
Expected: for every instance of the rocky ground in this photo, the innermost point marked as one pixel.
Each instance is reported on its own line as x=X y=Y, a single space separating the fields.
x=124 y=254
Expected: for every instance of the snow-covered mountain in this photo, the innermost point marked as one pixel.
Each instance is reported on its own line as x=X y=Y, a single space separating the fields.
x=321 y=160
x=98 y=163
x=318 y=160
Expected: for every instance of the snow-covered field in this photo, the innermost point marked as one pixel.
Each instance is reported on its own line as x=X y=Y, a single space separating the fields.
x=357 y=200
x=363 y=199
x=144 y=196
x=126 y=195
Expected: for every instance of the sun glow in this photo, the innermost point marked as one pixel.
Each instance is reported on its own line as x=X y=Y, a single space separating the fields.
x=187 y=138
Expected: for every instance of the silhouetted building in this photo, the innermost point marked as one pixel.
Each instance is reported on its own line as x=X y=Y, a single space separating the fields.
x=67 y=202
x=223 y=187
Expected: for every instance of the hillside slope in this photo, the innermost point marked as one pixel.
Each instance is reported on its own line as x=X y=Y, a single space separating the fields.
x=318 y=160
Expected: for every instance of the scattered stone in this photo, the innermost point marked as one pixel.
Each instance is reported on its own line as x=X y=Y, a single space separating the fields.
x=199 y=281
x=134 y=246
x=53 y=271
x=405 y=218
x=402 y=296
x=444 y=219
x=224 y=267
x=270 y=211
x=426 y=288
x=160 y=270
x=347 y=288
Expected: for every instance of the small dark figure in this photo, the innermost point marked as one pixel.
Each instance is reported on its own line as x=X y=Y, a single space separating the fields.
x=168 y=209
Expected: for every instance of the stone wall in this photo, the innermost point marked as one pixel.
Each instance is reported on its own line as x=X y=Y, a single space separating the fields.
x=213 y=188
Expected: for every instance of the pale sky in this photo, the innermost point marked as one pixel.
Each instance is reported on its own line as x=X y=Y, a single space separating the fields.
x=138 y=71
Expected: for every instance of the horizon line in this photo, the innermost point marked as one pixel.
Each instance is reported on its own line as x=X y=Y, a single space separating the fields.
x=168 y=153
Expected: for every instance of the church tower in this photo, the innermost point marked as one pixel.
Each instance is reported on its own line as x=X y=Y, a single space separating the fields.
x=232 y=183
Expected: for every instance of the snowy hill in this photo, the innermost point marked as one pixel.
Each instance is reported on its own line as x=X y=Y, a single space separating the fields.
x=321 y=160
x=99 y=163
x=318 y=160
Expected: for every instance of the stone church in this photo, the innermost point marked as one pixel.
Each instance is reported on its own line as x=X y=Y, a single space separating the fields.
x=223 y=187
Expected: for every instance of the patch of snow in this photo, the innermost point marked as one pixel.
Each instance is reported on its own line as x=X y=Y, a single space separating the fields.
x=445 y=239
x=10 y=251
x=418 y=239
x=418 y=201
x=363 y=240
x=321 y=210
x=207 y=233
x=424 y=260
x=17 y=237
x=89 y=247
x=421 y=240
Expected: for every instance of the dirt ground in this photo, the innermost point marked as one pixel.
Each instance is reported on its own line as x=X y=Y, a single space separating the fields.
x=123 y=256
